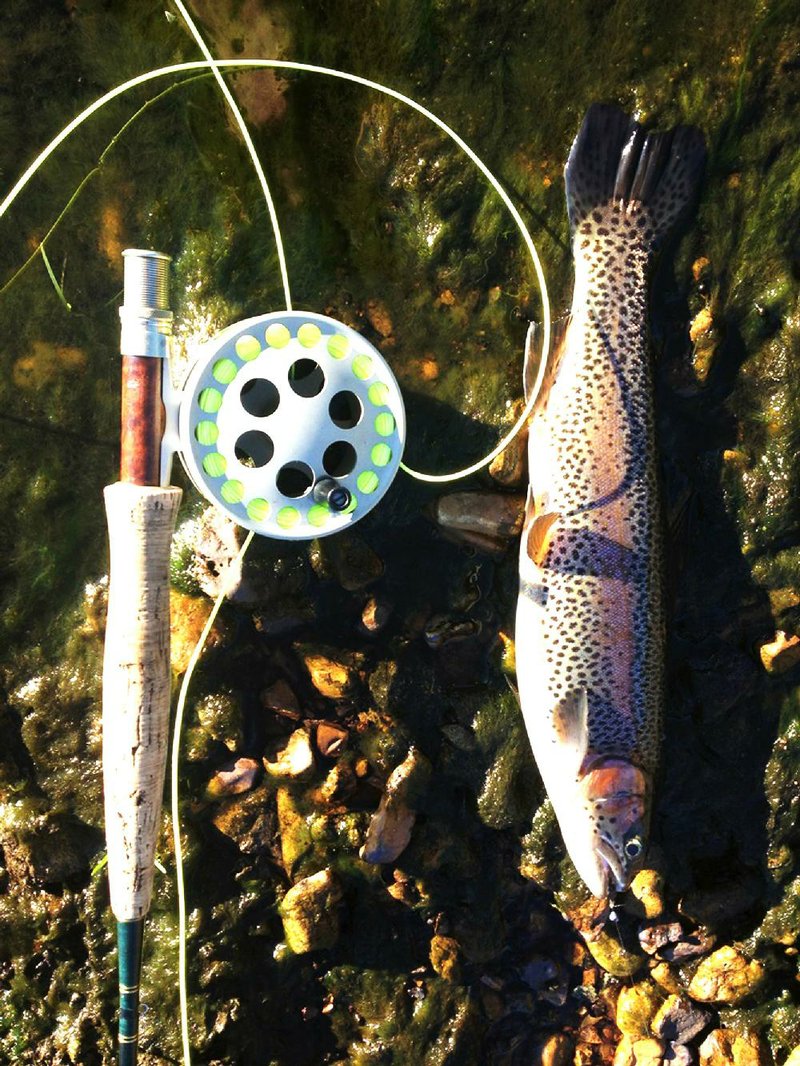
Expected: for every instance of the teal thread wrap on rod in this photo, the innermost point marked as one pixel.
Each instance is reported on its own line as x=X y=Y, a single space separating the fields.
x=130 y=939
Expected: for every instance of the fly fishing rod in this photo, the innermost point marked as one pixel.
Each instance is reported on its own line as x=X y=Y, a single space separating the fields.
x=136 y=668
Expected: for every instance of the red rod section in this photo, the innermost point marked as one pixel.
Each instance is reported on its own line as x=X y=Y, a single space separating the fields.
x=142 y=420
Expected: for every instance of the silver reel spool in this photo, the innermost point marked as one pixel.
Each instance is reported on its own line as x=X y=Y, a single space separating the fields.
x=290 y=422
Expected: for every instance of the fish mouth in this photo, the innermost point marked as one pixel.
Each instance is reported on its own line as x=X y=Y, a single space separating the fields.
x=612 y=869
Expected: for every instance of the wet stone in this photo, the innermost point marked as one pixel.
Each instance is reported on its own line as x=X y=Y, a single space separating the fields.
x=669 y=941
x=332 y=676
x=248 y=820
x=679 y=1055
x=556 y=1050
x=445 y=958
x=391 y=825
x=485 y=513
x=310 y=913
x=348 y=560
x=221 y=716
x=648 y=1052
x=725 y=1047
x=636 y=1007
x=679 y=1021
x=612 y=956
x=296 y=760
x=727 y=976
x=374 y=615
x=281 y=700
x=234 y=777
x=331 y=739
x=647 y=888
x=781 y=653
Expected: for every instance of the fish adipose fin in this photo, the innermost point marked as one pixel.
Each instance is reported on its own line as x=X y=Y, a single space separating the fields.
x=650 y=177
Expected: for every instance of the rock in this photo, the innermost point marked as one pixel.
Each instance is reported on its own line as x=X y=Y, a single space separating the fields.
x=596 y=1042
x=42 y=846
x=188 y=616
x=669 y=941
x=701 y=268
x=374 y=615
x=781 y=653
x=248 y=820
x=714 y=907
x=280 y=699
x=608 y=952
x=664 y=977
x=510 y=467
x=679 y=1055
x=636 y=1007
x=205 y=553
x=556 y=1050
x=390 y=827
x=679 y=1021
x=310 y=913
x=725 y=1047
x=445 y=958
x=347 y=559
x=647 y=887
x=488 y=514
x=379 y=318
x=794 y=1057
x=331 y=739
x=648 y=1052
x=339 y=784
x=296 y=760
x=332 y=677
x=233 y=777
x=221 y=716
x=726 y=976
x=701 y=324
x=294 y=830
x=623 y=1056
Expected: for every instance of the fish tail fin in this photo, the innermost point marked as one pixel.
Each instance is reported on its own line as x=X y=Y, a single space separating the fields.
x=617 y=169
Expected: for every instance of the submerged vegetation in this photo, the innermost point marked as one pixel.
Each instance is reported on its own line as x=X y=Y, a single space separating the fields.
x=374 y=875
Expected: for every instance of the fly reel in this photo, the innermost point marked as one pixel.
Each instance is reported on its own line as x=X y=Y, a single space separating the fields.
x=291 y=422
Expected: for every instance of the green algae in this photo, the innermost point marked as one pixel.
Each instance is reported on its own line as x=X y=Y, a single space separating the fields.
x=376 y=205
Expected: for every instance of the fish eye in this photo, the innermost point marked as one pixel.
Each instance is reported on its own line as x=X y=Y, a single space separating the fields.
x=633 y=848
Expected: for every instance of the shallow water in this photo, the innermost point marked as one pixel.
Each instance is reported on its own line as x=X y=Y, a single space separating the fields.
x=390 y=229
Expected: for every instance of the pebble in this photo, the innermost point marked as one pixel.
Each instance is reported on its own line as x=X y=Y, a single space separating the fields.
x=233 y=777
x=348 y=559
x=339 y=784
x=679 y=1055
x=280 y=699
x=293 y=829
x=296 y=760
x=647 y=887
x=648 y=1052
x=557 y=1050
x=636 y=1007
x=726 y=976
x=445 y=958
x=489 y=514
x=663 y=976
x=781 y=653
x=331 y=677
x=188 y=616
x=248 y=820
x=725 y=1047
x=374 y=615
x=669 y=941
x=331 y=739
x=679 y=1021
x=701 y=324
x=615 y=959
x=221 y=716
x=391 y=825
x=310 y=913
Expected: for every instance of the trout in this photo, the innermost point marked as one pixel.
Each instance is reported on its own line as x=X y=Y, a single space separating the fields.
x=590 y=615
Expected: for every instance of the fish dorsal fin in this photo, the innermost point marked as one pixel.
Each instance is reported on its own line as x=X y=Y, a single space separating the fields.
x=571 y=725
x=531 y=364
x=540 y=536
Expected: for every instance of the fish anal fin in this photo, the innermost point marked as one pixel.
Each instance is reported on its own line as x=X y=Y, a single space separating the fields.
x=540 y=536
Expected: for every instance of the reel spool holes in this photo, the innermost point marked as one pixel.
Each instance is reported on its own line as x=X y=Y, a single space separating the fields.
x=292 y=423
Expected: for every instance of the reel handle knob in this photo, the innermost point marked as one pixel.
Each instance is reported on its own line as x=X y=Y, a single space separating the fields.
x=337 y=497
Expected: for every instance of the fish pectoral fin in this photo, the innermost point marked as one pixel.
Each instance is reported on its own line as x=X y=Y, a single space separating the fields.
x=540 y=536
x=532 y=362
x=571 y=725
